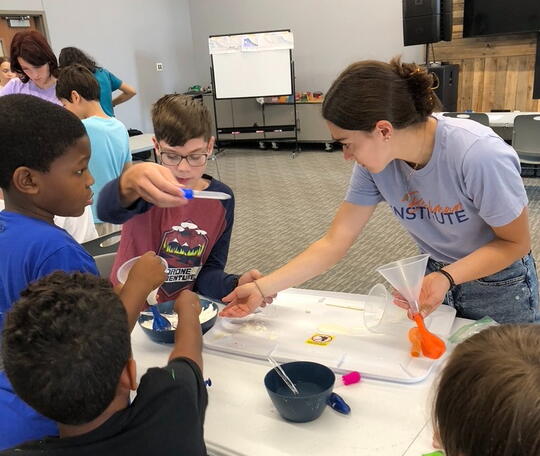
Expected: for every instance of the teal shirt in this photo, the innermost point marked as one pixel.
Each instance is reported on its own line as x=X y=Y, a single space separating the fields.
x=110 y=152
x=108 y=83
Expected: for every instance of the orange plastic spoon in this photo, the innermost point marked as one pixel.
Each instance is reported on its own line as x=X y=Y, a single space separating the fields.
x=432 y=346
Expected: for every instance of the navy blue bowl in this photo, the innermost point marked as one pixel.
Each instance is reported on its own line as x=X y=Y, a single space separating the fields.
x=167 y=337
x=314 y=383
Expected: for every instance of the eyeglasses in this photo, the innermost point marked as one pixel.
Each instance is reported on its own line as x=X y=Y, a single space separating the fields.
x=170 y=159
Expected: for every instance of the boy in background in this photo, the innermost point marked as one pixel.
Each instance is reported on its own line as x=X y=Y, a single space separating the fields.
x=78 y=91
x=193 y=237
x=68 y=355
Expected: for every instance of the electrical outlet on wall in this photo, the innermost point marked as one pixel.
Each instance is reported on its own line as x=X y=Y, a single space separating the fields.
x=159 y=66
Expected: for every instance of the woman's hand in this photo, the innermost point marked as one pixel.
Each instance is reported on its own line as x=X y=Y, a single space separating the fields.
x=434 y=289
x=251 y=276
x=242 y=301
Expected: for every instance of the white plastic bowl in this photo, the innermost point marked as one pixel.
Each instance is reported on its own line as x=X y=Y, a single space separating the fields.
x=123 y=272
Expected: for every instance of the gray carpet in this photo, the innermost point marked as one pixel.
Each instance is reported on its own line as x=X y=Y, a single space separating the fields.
x=284 y=204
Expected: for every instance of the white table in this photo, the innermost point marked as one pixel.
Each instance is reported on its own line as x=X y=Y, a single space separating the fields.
x=387 y=418
x=505 y=119
x=140 y=143
x=502 y=123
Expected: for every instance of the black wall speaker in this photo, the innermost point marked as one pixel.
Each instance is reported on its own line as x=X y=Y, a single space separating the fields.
x=446 y=20
x=426 y=21
x=447 y=91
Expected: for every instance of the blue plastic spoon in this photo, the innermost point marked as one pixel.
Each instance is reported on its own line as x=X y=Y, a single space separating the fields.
x=160 y=323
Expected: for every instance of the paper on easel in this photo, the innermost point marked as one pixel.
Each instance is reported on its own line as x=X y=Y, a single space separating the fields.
x=270 y=41
x=253 y=42
x=225 y=44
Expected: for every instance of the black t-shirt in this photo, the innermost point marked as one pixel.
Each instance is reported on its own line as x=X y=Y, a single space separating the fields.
x=166 y=418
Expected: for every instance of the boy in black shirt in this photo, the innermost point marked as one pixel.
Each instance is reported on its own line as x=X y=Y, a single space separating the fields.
x=67 y=353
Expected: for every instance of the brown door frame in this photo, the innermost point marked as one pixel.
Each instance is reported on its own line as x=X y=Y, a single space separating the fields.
x=40 y=21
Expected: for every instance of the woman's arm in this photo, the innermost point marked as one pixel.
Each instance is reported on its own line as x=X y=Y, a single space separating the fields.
x=127 y=93
x=512 y=242
x=320 y=256
x=316 y=259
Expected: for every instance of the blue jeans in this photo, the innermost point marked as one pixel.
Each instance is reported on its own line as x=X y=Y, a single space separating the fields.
x=508 y=296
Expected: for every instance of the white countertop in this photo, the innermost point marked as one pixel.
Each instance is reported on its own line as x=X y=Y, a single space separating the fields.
x=386 y=418
x=140 y=143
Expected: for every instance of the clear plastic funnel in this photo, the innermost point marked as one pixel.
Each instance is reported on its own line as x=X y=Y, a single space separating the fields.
x=406 y=277
x=381 y=315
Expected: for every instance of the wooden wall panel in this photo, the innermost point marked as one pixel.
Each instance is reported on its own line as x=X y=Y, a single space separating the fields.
x=478 y=67
x=496 y=72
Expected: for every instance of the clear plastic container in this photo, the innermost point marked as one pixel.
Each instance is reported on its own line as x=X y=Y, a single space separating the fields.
x=381 y=315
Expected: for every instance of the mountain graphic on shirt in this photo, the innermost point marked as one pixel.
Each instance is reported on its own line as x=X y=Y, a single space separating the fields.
x=183 y=247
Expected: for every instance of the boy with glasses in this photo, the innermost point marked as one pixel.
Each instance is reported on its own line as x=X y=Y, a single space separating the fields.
x=193 y=237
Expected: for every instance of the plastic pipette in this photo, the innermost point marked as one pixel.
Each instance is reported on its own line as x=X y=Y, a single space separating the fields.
x=190 y=194
x=283 y=375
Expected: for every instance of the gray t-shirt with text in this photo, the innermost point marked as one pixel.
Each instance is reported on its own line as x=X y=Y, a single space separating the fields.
x=471 y=183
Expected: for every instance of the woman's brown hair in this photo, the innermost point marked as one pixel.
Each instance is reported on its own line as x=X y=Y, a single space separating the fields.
x=32 y=46
x=488 y=397
x=369 y=91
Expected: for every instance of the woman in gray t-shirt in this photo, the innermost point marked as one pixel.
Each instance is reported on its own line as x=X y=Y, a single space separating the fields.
x=452 y=183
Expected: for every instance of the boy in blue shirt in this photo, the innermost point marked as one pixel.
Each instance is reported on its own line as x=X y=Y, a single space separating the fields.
x=78 y=91
x=43 y=173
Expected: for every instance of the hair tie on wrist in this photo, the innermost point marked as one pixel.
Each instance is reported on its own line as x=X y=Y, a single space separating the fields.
x=259 y=288
x=448 y=276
